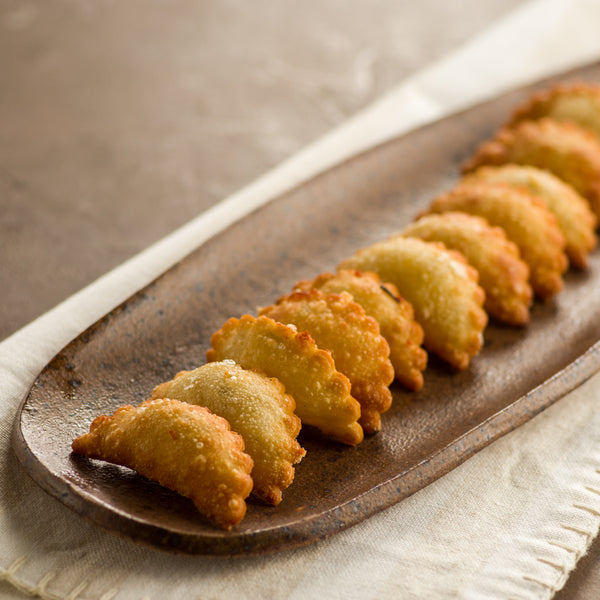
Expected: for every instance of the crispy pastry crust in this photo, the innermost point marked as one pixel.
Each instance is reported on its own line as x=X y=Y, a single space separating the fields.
x=502 y=274
x=183 y=447
x=526 y=221
x=575 y=218
x=441 y=287
x=256 y=407
x=567 y=150
x=576 y=102
x=322 y=394
x=394 y=314
x=360 y=352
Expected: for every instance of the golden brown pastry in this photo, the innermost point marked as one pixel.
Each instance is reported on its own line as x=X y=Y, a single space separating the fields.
x=394 y=314
x=441 y=287
x=563 y=148
x=575 y=218
x=322 y=394
x=360 y=352
x=576 y=102
x=256 y=407
x=526 y=221
x=183 y=447
x=502 y=274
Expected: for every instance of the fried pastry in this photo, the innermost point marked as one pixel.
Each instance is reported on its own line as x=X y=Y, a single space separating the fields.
x=441 y=287
x=322 y=394
x=567 y=150
x=256 y=407
x=359 y=351
x=183 y=447
x=526 y=221
x=502 y=274
x=578 y=102
x=394 y=314
x=575 y=218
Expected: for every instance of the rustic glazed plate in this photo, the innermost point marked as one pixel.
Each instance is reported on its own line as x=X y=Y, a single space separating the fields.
x=166 y=327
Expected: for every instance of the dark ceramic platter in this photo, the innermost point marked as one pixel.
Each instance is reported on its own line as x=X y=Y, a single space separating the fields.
x=166 y=327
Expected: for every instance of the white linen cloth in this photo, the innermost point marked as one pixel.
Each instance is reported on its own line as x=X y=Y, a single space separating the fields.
x=511 y=522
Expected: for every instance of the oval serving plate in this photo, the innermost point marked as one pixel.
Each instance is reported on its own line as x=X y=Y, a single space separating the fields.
x=166 y=327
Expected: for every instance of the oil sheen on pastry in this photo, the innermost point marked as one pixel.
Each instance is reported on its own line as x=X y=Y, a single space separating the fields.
x=526 y=221
x=395 y=316
x=575 y=218
x=359 y=351
x=502 y=274
x=183 y=447
x=322 y=394
x=567 y=150
x=441 y=287
x=256 y=407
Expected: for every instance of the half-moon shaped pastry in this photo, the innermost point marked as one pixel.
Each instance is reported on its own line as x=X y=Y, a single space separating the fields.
x=569 y=151
x=256 y=407
x=394 y=314
x=575 y=218
x=578 y=102
x=360 y=352
x=502 y=274
x=183 y=447
x=441 y=287
x=526 y=221
x=322 y=394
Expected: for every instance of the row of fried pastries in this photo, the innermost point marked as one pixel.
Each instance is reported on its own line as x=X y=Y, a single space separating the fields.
x=325 y=355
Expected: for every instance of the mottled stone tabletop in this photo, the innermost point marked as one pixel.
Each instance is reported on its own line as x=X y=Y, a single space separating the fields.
x=120 y=121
